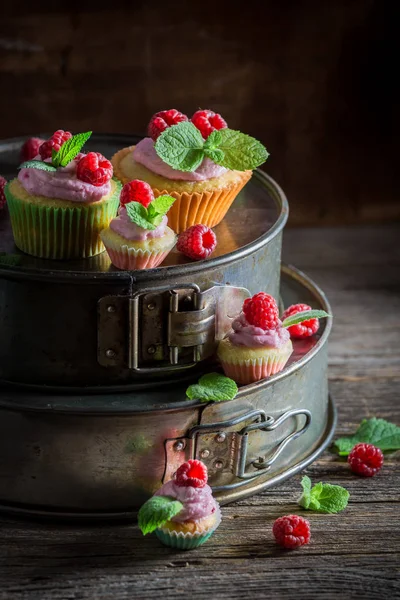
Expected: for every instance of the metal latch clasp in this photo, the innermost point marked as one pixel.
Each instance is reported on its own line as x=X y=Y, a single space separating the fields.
x=225 y=447
x=165 y=328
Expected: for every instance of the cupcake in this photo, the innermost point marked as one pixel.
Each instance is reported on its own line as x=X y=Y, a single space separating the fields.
x=62 y=199
x=258 y=346
x=201 y=163
x=139 y=237
x=183 y=512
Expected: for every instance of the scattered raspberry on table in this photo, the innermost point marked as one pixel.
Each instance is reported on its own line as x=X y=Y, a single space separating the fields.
x=2 y=194
x=365 y=460
x=197 y=242
x=291 y=531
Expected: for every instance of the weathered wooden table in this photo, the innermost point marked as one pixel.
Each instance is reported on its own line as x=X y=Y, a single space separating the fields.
x=354 y=554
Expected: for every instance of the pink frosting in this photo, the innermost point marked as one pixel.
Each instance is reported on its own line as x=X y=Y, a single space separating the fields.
x=250 y=336
x=145 y=154
x=130 y=231
x=197 y=502
x=62 y=184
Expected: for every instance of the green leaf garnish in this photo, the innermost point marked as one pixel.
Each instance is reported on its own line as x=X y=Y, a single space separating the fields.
x=157 y=511
x=378 y=432
x=241 y=152
x=183 y=148
x=10 y=260
x=305 y=315
x=70 y=149
x=212 y=387
x=150 y=217
x=323 y=497
x=37 y=164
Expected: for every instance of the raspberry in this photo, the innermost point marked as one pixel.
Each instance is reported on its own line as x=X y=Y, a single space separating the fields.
x=164 y=119
x=192 y=473
x=365 y=460
x=2 y=194
x=136 y=191
x=30 y=149
x=291 y=531
x=95 y=169
x=304 y=329
x=54 y=142
x=197 y=242
x=208 y=121
x=261 y=311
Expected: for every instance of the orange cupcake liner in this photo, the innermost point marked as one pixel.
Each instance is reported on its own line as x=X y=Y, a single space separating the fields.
x=207 y=208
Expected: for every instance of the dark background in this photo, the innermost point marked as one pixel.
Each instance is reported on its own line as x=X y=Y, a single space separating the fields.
x=316 y=81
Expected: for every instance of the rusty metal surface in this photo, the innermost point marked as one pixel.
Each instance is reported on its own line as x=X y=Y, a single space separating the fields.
x=103 y=455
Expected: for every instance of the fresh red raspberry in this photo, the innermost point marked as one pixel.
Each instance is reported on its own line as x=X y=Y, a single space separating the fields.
x=30 y=149
x=197 y=242
x=2 y=194
x=94 y=168
x=192 y=473
x=54 y=143
x=261 y=311
x=208 y=121
x=304 y=329
x=365 y=460
x=291 y=531
x=164 y=119
x=136 y=191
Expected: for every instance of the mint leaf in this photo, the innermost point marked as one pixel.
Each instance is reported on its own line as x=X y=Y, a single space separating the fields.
x=305 y=315
x=157 y=511
x=161 y=205
x=10 y=260
x=212 y=387
x=181 y=146
x=213 y=141
x=70 y=149
x=323 y=497
x=379 y=432
x=37 y=164
x=138 y=214
x=216 y=155
x=241 y=151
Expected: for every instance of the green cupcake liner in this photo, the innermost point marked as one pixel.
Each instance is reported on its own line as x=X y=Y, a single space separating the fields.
x=60 y=232
x=183 y=541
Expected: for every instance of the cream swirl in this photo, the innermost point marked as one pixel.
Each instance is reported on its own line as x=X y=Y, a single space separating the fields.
x=62 y=184
x=130 y=231
x=197 y=502
x=145 y=154
x=244 y=334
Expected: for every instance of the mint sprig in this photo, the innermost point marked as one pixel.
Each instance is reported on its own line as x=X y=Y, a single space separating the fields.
x=157 y=511
x=183 y=148
x=69 y=149
x=37 y=164
x=323 y=497
x=378 y=432
x=150 y=217
x=212 y=387
x=304 y=315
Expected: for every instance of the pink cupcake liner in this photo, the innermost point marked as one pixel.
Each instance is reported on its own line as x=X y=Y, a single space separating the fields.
x=253 y=370
x=132 y=261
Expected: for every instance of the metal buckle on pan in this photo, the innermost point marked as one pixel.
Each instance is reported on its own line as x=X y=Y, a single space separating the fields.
x=165 y=328
x=223 y=446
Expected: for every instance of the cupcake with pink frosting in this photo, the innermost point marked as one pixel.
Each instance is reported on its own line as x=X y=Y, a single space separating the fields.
x=183 y=512
x=62 y=199
x=258 y=345
x=200 y=162
x=139 y=237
